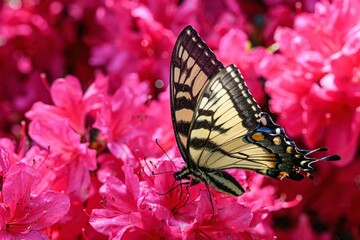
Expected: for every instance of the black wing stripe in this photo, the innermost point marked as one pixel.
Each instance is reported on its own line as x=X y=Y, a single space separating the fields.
x=192 y=65
x=224 y=182
x=225 y=114
x=183 y=102
x=248 y=111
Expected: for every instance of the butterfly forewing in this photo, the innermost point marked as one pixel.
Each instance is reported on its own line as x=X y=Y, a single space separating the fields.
x=192 y=66
x=226 y=113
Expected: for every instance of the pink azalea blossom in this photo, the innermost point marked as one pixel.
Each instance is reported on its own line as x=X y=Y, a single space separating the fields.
x=120 y=118
x=36 y=38
x=75 y=224
x=25 y=210
x=169 y=198
x=229 y=222
x=156 y=206
x=307 y=83
x=60 y=127
x=124 y=215
x=245 y=58
x=282 y=13
x=129 y=121
x=148 y=31
x=70 y=102
x=104 y=143
x=158 y=127
x=147 y=50
x=329 y=186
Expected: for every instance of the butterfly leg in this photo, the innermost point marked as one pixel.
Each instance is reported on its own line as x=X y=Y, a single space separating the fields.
x=211 y=200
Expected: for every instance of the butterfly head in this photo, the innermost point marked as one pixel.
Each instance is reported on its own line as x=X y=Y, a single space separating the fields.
x=292 y=161
x=184 y=173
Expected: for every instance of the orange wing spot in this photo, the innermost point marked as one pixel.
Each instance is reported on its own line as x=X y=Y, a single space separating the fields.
x=258 y=136
x=289 y=149
x=309 y=176
x=282 y=175
x=277 y=141
x=296 y=169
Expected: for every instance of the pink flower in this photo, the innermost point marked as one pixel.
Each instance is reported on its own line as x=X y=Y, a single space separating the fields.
x=76 y=223
x=313 y=83
x=129 y=122
x=245 y=58
x=24 y=210
x=62 y=128
x=169 y=199
x=41 y=37
x=278 y=15
x=103 y=143
x=120 y=118
x=70 y=102
x=124 y=215
x=230 y=221
x=148 y=31
x=157 y=126
x=147 y=49
x=304 y=229
x=156 y=206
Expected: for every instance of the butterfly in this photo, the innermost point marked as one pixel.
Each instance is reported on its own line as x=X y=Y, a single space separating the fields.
x=218 y=124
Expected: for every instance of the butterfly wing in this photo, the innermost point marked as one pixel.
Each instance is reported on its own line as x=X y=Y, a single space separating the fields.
x=225 y=115
x=230 y=131
x=192 y=66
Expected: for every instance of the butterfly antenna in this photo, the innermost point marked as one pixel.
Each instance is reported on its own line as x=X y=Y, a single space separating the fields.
x=162 y=149
x=157 y=143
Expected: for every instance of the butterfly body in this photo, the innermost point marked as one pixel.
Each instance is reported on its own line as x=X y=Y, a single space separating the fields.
x=218 y=124
x=220 y=180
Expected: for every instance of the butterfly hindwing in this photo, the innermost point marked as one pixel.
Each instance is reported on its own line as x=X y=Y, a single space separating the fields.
x=192 y=66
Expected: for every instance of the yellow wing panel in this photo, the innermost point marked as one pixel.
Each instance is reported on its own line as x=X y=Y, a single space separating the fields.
x=225 y=114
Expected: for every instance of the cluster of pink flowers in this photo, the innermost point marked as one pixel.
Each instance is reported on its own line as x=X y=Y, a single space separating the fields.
x=314 y=87
x=91 y=162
